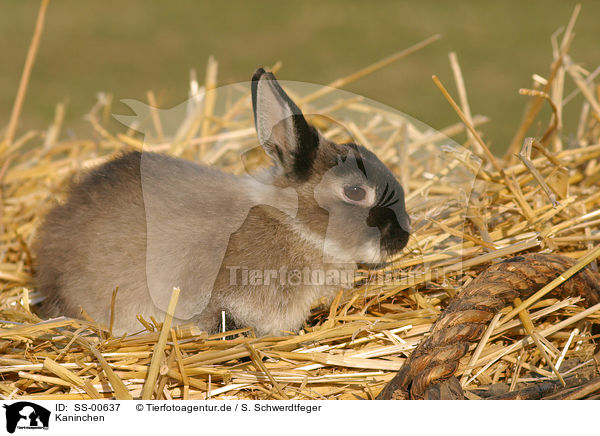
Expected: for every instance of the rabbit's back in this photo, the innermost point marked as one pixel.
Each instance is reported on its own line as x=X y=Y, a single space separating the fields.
x=128 y=224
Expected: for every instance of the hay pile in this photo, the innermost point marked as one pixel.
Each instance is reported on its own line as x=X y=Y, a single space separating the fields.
x=469 y=210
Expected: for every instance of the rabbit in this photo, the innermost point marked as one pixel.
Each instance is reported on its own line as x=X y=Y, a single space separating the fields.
x=255 y=247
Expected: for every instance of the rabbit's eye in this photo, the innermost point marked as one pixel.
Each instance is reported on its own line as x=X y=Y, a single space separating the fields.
x=355 y=193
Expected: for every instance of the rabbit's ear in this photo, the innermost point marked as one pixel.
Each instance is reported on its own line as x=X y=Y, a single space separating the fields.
x=282 y=130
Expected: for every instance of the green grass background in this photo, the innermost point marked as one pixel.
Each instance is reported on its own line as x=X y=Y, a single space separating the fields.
x=128 y=47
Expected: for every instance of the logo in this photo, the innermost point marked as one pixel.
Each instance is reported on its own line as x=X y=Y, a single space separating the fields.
x=26 y=415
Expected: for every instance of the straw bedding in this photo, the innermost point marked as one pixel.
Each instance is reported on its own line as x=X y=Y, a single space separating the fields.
x=470 y=210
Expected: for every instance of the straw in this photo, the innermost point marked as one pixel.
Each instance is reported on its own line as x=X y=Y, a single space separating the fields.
x=29 y=61
x=157 y=355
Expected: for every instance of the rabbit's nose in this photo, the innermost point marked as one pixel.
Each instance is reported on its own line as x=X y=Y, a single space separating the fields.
x=392 y=227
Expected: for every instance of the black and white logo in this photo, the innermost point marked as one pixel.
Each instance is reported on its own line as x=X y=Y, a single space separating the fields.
x=26 y=415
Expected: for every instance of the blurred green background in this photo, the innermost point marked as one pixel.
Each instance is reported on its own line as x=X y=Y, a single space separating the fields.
x=129 y=47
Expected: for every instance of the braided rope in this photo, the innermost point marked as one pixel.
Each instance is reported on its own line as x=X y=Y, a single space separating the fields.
x=427 y=372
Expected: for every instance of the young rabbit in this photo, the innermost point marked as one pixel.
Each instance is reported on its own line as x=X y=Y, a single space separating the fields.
x=256 y=247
